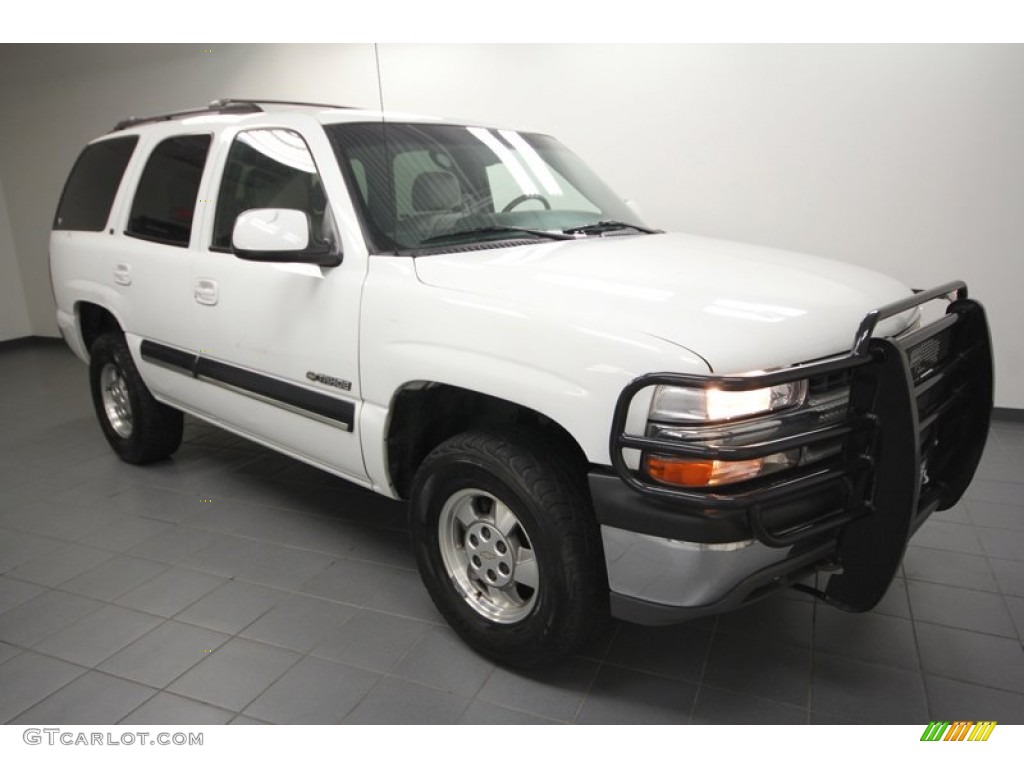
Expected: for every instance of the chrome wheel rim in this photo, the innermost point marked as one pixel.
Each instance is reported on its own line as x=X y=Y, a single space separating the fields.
x=488 y=556
x=116 y=404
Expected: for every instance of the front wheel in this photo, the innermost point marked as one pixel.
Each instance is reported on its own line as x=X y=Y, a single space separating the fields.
x=138 y=428
x=507 y=546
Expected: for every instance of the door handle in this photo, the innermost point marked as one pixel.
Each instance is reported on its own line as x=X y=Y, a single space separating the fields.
x=123 y=274
x=206 y=291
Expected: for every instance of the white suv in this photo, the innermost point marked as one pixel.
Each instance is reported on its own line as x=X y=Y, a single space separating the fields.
x=586 y=415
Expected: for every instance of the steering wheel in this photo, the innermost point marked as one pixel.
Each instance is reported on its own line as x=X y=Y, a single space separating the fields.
x=517 y=201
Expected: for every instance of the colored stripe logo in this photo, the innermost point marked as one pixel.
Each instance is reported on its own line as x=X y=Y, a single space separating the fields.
x=960 y=730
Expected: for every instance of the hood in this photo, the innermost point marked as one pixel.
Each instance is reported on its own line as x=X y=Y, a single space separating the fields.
x=740 y=307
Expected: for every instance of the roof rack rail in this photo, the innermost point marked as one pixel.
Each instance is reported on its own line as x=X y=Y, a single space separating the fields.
x=285 y=102
x=221 y=107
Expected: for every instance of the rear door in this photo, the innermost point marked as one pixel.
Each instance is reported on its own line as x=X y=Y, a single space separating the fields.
x=150 y=266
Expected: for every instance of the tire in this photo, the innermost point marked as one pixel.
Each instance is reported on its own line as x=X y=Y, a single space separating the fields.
x=138 y=428
x=508 y=548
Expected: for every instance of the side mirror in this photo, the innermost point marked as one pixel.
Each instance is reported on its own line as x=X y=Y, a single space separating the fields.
x=279 y=235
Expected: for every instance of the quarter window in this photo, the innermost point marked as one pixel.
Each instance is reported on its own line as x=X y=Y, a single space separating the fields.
x=89 y=193
x=270 y=168
x=165 y=201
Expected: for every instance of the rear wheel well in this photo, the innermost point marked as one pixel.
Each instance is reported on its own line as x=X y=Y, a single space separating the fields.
x=425 y=414
x=94 y=321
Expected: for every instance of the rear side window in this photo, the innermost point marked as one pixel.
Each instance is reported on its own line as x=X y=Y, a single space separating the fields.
x=90 y=189
x=165 y=201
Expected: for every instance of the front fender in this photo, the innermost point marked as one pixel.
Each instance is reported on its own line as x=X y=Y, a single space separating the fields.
x=568 y=367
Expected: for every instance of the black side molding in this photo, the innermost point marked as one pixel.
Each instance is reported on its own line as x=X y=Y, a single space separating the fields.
x=339 y=412
x=169 y=357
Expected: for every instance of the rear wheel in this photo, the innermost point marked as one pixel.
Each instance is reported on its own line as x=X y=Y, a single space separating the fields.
x=138 y=428
x=507 y=547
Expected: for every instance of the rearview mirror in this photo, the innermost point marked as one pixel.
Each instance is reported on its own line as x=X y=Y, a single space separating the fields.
x=279 y=235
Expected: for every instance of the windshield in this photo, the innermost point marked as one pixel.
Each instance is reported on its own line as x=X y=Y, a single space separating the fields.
x=438 y=187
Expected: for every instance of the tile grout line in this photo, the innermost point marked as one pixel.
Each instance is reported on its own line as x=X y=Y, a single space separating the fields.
x=233 y=713
x=917 y=648
x=704 y=668
x=601 y=664
x=85 y=671
x=265 y=688
x=166 y=620
x=814 y=653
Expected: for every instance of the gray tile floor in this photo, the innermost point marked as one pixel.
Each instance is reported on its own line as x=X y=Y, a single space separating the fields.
x=230 y=584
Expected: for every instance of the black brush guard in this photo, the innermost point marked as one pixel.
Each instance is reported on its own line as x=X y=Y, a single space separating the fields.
x=912 y=437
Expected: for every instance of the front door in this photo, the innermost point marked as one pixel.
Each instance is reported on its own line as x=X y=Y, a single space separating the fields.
x=277 y=344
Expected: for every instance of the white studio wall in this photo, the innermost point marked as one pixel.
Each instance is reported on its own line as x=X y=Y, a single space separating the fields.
x=14 y=322
x=58 y=97
x=901 y=158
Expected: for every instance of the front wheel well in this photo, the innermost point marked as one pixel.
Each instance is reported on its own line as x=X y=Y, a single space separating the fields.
x=425 y=414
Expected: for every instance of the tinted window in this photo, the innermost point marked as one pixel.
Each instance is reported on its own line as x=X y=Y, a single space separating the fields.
x=429 y=186
x=269 y=168
x=359 y=174
x=165 y=200
x=91 y=187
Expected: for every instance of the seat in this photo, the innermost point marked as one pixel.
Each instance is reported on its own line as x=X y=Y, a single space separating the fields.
x=435 y=192
x=436 y=202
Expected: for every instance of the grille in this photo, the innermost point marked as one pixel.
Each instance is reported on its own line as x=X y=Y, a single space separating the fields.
x=829 y=382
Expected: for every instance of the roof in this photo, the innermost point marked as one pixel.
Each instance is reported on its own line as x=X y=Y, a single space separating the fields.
x=231 y=106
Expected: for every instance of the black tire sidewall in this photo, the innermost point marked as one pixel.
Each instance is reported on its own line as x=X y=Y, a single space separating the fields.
x=533 y=639
x=156 y=429
x=107 y=351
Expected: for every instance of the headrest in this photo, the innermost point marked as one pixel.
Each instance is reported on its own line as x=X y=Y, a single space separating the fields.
x=436 y=191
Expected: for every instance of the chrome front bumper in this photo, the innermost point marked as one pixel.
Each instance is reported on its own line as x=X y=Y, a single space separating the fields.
x=655 y=580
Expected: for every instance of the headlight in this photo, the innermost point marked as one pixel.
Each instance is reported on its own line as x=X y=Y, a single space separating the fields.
x=676 y=404
x=716 y=418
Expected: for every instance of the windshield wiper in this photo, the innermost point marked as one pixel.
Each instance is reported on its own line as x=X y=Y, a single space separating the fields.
x=608 y=225
x=496 y=228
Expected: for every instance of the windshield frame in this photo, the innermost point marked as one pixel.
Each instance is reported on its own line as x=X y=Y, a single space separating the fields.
x=380 y=242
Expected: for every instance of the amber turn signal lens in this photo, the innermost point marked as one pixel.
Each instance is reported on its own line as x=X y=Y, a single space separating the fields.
x=697 y=473
x=689 y=472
